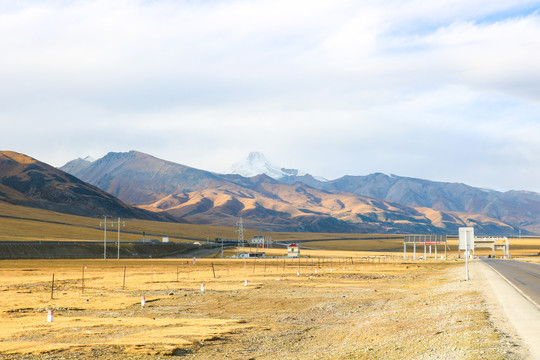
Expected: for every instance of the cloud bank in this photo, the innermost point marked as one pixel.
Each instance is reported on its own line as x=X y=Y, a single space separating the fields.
x=445 y=90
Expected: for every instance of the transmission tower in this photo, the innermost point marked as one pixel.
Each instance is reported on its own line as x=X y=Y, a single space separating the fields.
x=240 y=231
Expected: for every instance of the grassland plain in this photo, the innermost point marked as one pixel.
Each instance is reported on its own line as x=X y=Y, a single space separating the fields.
x=352 y=307
x=336 y=304
x=20 y=223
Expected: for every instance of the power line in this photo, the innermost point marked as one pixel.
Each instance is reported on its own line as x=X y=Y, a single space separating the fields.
x=104 y=223
x=123 y=224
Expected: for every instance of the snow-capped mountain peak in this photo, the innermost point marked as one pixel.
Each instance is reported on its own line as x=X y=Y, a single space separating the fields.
x=256 y=164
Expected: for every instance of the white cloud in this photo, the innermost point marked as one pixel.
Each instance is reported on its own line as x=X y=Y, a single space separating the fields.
x=427 y=89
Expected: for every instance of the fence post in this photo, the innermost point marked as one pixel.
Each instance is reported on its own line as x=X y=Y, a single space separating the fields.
x=52 y=287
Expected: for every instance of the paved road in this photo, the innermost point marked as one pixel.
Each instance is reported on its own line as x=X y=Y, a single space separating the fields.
x=521 y=312
x=524 y=276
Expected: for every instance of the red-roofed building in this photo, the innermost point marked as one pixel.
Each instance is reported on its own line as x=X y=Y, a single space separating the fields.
x=293 y=250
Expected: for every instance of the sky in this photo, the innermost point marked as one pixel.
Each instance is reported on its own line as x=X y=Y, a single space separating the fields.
x=440 y=90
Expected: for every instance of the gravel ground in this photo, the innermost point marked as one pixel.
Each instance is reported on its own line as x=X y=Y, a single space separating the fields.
x=412 y=311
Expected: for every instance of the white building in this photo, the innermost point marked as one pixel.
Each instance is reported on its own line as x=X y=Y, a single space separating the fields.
x=293 y=250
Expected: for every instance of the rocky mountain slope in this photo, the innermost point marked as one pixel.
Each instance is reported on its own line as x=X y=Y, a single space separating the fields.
x=271 y=206
x=29 y=182
x=77 y=165
x=199 y=196
x=520 y=209
x=138 y=178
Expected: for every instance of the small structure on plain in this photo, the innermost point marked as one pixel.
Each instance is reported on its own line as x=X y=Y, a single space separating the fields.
x=293 y=250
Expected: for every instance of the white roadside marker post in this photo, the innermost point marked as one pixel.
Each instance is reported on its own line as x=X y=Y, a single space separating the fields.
x=467 y=261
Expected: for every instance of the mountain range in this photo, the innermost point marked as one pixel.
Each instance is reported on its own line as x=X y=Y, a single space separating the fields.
x=272 y=198
x=28 y=182
x=520 y=209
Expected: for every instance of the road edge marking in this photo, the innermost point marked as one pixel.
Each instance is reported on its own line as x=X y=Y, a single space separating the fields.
x=514 y=286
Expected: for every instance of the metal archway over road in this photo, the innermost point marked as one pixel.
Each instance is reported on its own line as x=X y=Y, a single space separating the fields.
x=469 y=243
x=426 y=240
x=493 y=243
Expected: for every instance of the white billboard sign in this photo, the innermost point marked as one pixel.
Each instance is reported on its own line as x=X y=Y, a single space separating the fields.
x=466 y=238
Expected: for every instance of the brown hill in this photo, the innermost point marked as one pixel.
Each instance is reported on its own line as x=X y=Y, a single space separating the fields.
x=301 y=208
x=519 y=209
x=202 y=197
x=29 y=182
x=138 y=178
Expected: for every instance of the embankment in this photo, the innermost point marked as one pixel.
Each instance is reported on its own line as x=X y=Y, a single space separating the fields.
x=95 y=250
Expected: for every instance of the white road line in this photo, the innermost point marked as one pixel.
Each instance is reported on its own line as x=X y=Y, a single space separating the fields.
x=523 y=314
x=514 y=286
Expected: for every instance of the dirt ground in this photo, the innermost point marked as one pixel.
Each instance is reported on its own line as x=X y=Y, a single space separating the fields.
x=317 y=308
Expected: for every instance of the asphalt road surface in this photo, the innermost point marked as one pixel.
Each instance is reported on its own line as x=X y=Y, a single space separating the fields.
x=524 y=276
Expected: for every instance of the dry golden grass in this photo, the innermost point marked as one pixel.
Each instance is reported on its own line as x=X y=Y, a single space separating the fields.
x=322 y=307
x=344 y=304
x=526 y=247
x=358 y=244
x=22 y=223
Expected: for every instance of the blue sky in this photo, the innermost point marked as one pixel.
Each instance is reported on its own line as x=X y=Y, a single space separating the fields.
x=442 y=90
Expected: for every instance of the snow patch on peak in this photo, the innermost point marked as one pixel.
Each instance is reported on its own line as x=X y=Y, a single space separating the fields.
x=89 y=159
x=255 y=164
x=320 y=178
x=257 y=157
x=293 y=172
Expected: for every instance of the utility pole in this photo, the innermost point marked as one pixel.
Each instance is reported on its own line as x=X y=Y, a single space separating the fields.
x=104 y=224
x=123 y=224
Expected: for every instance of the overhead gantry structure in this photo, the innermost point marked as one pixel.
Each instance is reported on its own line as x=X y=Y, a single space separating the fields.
x=427 y=241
